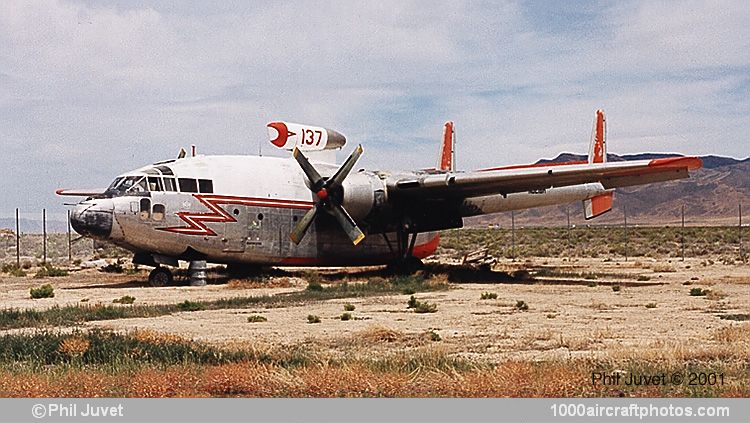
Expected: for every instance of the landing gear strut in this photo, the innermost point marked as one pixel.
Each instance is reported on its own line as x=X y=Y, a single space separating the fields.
x=405 y=262
x=159 y=277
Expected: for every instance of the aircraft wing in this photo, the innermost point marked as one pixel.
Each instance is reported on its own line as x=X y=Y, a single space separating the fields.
x=87 y=192
x=540 y=177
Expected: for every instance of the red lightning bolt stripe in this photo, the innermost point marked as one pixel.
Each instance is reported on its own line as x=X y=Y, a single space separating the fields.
x=196 y=222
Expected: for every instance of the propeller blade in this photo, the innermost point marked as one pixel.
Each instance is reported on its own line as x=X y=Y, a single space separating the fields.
x=309 y=170
x=300 y=229
x=344 y=170
x=347 y=223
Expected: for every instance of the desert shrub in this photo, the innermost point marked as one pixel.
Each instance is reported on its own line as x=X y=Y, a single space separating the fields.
x=313 y=281
x=115 y=267
x=420 y=307
x=44 y=291
x=125 y=299
x=255 y=318
x=425 y=307
x=13 y=270
x=349 y=307
x=188 y=305
x=651 y=305
x=311 y=318
x=521 y=305
x=412 y=303
x=488 y=296
x=698 y=292
x=643 y=278
x=616 y=288
x=433 y=336
x=346 y=316
x=314 y=286
x=48 y=270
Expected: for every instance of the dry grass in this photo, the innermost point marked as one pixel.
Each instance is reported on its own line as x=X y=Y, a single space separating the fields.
x=281 y=282
x=376 y=334
x=509 y=379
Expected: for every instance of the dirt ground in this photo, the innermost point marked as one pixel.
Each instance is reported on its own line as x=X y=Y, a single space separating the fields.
x=568 y=316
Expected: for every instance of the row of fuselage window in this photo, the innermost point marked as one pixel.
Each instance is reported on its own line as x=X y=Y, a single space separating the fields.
x=203 y=186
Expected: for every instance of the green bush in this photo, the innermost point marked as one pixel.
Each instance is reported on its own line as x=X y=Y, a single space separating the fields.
x=311 y=318
x=698 y=292
x=420 y=307
x=412 y=303
x=349 y=307
x=125 y=299
x=521 y=305
x=434 y=336
x=256 y=319
x=188 y=305
x=44 y=291
x=48 y=270
x=346 y=316
x=488 y=296
x=651 y=305
x=13 y=270
x=425 y=307
x=616 y=288
x=115 y=267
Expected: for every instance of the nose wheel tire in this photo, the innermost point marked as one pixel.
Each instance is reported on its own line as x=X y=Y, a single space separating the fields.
x=160 y=276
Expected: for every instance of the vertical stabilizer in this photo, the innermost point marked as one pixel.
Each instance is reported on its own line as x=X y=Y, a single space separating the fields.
x=598 y=146
x=600 y=204
x=447 y=158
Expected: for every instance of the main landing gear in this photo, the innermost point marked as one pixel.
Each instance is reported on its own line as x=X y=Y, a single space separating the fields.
x=405 y=262
x=160 y=276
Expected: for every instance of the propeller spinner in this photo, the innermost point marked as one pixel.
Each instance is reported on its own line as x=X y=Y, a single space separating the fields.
x=330 y=196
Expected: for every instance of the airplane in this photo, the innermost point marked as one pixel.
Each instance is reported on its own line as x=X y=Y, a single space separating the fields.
x=304 y=210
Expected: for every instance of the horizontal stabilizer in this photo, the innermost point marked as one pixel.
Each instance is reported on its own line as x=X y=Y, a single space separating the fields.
x=85 y=192
x=597 y=206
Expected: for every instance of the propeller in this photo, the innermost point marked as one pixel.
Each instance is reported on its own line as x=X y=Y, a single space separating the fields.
x=330 y=195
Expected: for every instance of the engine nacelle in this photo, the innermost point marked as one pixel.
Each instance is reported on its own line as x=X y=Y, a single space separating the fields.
x=287 y=135
x=364 y=192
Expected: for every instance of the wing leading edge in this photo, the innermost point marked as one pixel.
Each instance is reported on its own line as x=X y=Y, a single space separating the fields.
x=506 y=181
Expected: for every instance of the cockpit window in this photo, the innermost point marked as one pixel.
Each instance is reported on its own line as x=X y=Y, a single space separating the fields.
x=115 y=183
x=128 y=183
x=138 y=185
x=169 y=184
x=154 y=183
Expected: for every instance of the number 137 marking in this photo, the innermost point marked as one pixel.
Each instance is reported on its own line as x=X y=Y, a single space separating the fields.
x=310 y=137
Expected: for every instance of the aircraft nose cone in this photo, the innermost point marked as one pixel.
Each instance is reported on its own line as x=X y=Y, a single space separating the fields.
x=93 y=219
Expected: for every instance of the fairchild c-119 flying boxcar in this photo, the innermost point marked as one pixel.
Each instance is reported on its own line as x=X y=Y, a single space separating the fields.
x=306 y=211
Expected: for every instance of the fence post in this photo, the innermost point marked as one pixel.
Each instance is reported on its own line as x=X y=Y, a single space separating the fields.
x=742 y=252
x=567 y=211
x=627 y=240
x=513 y=234
x=44 y=235
x=682 y=233
x=18 y=241
x=70 y=242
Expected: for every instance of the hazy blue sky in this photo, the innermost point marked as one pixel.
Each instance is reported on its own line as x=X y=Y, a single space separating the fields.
x=91 y=89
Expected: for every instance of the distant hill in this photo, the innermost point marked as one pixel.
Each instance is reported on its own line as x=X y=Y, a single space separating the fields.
x=711 y=196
